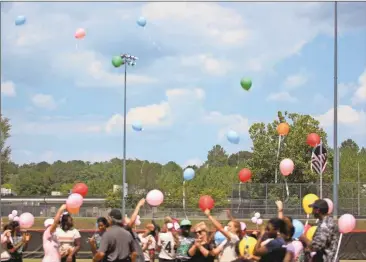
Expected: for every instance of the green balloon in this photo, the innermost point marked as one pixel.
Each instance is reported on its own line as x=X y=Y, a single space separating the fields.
x=246 y=83
x=117 y=61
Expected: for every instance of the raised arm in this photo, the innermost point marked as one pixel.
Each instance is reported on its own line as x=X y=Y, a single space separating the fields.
x=135 y=213
x=56 y=219
x=279 y=205
x=217 y=224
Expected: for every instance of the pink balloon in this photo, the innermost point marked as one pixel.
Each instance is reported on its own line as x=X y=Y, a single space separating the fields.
x=16 y=218
x=155 y=198
x=259 y=221
x=330 y=205
x=286 y=167
x=74 y=201
x=346 y=223
x=297 y=247
x=10 y=217
x=26 y=220
x=80 y=33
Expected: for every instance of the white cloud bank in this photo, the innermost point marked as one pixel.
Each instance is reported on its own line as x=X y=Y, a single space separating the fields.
x=8 y=88
x=360 y=94
x=44 y=101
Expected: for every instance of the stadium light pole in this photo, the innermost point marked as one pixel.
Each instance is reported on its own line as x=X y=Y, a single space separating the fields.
x=131 y=61
x=335 y=118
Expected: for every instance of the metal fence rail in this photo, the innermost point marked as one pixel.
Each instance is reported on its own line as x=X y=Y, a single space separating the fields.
x=244 y=201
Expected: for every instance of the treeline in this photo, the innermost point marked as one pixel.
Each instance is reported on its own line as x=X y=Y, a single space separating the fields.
x=215 y=177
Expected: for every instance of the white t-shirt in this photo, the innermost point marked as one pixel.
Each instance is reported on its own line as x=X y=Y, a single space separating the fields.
x=66 y=238
x=152 y=245
x=228 y=249
x=167 y=243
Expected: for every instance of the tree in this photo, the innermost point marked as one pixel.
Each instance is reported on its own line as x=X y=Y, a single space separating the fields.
x=4 y=149
x=349 y=143
x=217 y=156
x=265 y=146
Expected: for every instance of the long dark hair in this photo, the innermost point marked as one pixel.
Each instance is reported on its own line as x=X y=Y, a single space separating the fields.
x=64 y=220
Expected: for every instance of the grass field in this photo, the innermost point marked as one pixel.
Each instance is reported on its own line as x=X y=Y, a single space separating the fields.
x=86 y=223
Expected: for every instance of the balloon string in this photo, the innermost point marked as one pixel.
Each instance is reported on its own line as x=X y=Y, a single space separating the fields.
x=239 y=198
x=307 y=219
x=184 y=199
x=338 y=247
x=287 y=190
x=278 y=155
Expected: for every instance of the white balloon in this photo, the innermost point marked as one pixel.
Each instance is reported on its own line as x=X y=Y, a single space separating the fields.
x=16 y=218
x=14 y=213
x=257 y=215
x=259 y=221
x=11 y=217
x=254 y=220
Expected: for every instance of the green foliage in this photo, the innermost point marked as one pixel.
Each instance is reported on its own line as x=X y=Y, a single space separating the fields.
x=215 y=177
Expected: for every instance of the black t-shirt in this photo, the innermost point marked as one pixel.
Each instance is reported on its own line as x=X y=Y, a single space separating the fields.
x=199 y=257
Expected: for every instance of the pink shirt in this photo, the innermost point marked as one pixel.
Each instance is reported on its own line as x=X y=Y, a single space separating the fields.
x=50 y=247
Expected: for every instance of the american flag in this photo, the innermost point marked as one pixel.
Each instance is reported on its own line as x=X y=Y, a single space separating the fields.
x=319 y=159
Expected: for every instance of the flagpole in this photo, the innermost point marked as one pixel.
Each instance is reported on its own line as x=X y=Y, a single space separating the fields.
x=321 y=169
x=335 y=119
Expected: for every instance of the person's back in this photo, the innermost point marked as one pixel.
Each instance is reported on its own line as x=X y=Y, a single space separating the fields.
x=167 y=243
x=50 y=247
x=116 y=244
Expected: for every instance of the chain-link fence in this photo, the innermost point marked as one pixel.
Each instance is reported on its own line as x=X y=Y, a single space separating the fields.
x=249 y=198
x=244 y=201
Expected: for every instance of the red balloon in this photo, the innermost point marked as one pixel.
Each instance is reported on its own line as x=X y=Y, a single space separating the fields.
x=80 y=188
x=245 y=175
x=313 y=139
x=206 y=202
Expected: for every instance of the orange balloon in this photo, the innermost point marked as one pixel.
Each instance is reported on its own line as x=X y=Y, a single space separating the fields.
x=283 y=129
x=73 y=210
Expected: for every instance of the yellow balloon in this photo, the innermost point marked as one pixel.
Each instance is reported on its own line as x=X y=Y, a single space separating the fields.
x=308 y=200
x=247 y=245
x=311 y=232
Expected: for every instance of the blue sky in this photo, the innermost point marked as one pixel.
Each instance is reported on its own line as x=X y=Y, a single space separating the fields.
x=65 y=99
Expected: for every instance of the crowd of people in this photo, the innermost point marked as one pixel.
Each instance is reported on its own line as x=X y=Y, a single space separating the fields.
x=116 y=241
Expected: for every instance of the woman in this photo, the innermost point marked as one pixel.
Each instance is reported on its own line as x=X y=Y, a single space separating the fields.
x=201 y=249
x=148 y=243
x=50 y=243
x=94 y=241
x=274 y=248
x=232 y=234
x=167 y=243
x=69 y=239
x=17 y=243
x=5 y=239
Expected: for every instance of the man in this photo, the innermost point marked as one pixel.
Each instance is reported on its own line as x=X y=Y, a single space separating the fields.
x=117 y=243
x=185 y=241
x=325 y=239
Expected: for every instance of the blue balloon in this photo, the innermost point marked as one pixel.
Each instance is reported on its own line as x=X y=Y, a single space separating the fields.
x=141 y=21
x=137 y=126
x=233 y=137
x=20 y=20
x=219 y=238
x=299 y=228
x=188 y=174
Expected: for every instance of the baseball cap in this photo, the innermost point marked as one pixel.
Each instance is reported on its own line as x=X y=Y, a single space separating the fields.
x=116 y=215
x=48 y=222
x=320 y=204
x=185 y=223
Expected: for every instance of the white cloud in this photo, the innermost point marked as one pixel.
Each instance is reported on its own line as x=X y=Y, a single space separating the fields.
x=200 y=19
x=208 y=63
x=91 y=71
x=360 y=94
x=281 y=96
x=227 y=122
x=8 y=88
x=348 y=116
x=192 y=162
x=165 y=113
x=294 y=81
x=44 y=101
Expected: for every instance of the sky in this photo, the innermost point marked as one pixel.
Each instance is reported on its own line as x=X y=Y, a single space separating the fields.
x=65 y=99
